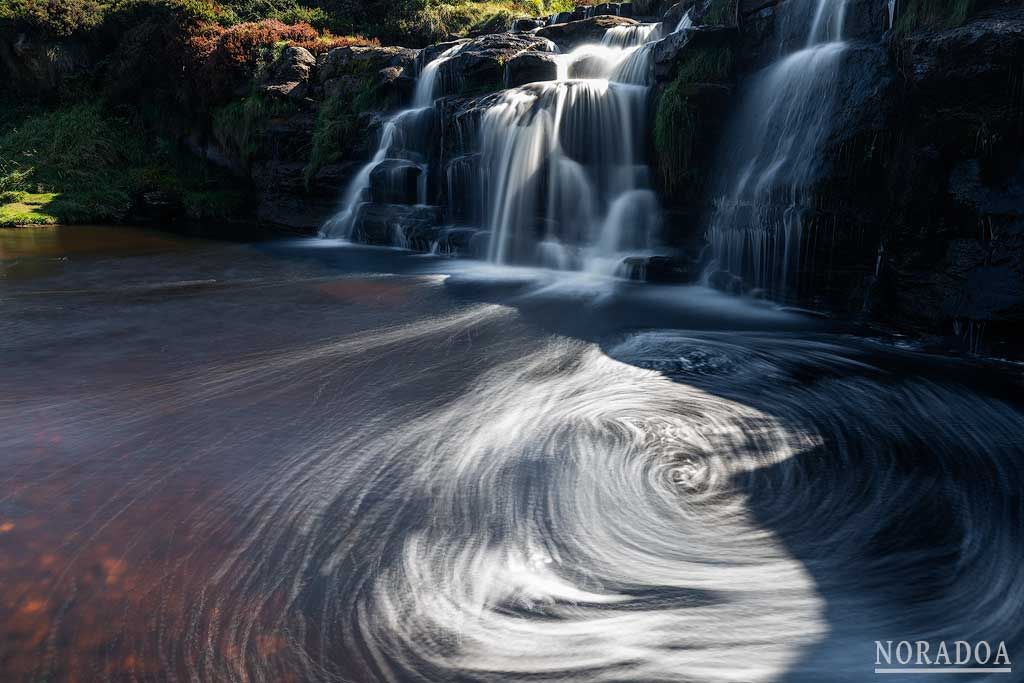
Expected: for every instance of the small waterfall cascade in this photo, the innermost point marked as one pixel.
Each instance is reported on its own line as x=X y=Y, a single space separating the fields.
x=401 y=156
x=764 y=211
x=550 y=173
x=555 y=171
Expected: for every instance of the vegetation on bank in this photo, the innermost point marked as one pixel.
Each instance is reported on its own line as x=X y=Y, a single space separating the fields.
x=82 y=164
x=136 y=80
x=406 y=22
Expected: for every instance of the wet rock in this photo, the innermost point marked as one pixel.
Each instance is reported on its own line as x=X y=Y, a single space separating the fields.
x=291 y=201
x=479 y=67
x=670 y=20
x=523 y=25
x=391 y=223
x=658 y=269
x=669 y=51
x=396 y=181
x=575 y=33
x=726 y=282
x=460 y=242
x=530 y=67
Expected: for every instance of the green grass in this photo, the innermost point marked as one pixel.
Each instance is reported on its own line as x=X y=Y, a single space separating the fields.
x=239 y=125
x=932 y=14
x=29 y=210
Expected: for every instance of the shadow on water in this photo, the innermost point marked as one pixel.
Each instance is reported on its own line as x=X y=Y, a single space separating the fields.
x=350 y=463
x=905 y=511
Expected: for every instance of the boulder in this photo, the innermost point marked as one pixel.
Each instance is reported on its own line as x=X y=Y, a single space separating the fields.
x=575 y=33
x=530 y=67
x=658 y=269
x=479 y=67
x=668 y=51
x=358 y=60
x=526 y=24
x=289 y=75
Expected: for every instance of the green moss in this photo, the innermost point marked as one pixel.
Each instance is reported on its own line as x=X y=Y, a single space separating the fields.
x=678 y=118
x=239 y=126
x=932 y=14
x=337 y=126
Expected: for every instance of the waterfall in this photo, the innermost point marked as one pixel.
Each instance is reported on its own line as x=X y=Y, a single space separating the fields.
x=560 y=172
x=761 y=221
x=552 y=173
x=401 y=138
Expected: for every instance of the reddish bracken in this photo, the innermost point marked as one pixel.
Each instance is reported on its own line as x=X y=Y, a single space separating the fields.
x=223 y=57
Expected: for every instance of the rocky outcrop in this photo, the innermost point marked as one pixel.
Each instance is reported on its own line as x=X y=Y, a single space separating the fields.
x=572 y=34
x=480 y=65
x=953 y=258
x=289 y=75
x=530 y=67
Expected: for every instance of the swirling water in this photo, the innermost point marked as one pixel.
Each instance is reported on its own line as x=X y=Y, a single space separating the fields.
x=318 y=463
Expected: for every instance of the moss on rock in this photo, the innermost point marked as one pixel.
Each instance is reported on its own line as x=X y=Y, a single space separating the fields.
x=681 y=116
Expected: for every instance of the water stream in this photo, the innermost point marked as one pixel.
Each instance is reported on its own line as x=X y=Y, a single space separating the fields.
x=305 y=461
x=552 y=173
x=765 y=207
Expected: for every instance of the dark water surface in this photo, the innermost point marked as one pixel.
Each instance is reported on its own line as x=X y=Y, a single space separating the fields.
x=300 y=461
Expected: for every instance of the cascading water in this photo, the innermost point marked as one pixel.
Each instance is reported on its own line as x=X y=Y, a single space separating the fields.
x=553 y=172
x=560 y=173
x=402 y=138
x=762 y=215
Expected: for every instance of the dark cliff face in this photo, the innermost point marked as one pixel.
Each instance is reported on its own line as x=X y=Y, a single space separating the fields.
x=956 y=247
x=915 y=203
